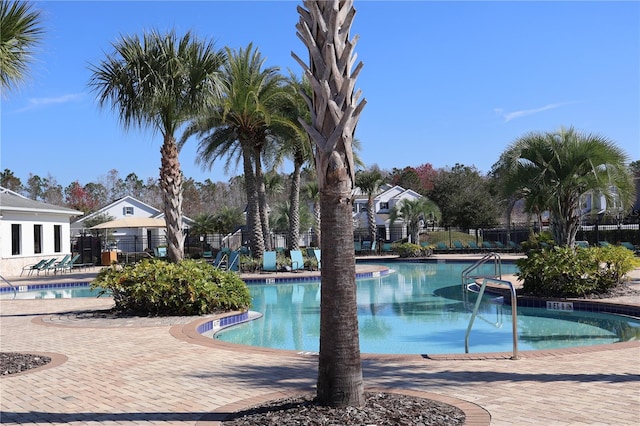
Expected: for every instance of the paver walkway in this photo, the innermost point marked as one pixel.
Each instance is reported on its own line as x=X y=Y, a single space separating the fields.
x=142 y=374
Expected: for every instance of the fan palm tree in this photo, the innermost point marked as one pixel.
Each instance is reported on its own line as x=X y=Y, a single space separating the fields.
x=160 y=81
x=369 y=183
x=20 y=33
x=238 y=128
x=411 y=212
x=324 y=27
x=553 y=170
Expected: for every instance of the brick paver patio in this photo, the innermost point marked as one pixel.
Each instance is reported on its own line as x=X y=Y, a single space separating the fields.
x=138 y=373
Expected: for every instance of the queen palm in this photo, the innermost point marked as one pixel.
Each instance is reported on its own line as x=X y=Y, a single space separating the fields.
x=238 y=128
x=324 y=27
x=20 y=34
x=160 y=81
x=369 y=183
x=411 y=212
x=553 y=170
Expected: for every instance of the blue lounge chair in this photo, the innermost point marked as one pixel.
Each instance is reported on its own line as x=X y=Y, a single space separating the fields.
x=297 y=261
x=582 y=244
x=315 y=253
x=387 y=248
x=473 y=246
x=269 y=261
x=63 y=266
x=35 y=267
x=49 y=266
x=458 y=246
x=515 y=247
x=160 y=252
x=441 y=247
x=234 y=261
x=357 y=246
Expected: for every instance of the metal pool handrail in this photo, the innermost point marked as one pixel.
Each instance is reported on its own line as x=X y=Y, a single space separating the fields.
x=497 y=265
x=15 y=290
x=514 y=313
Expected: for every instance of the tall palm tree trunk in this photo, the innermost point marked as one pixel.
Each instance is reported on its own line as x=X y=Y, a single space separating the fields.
x=253 y=214
x=263 y=206
x=171 y=184
x=294 y=206
x=371 y=215
x=324 y=28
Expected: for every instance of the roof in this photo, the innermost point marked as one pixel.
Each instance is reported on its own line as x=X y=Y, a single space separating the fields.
x=12 y=201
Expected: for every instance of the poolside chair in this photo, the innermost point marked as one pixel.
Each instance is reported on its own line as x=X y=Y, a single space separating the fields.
x=49 y=266
x=499 y=246
x=441 y=247
x=582 y=244
x=473 y=246
x=357 y=247
x=603 y=243
x=486 y=245
x=160 y=252
x=458 y=246
x=387 y=248
x=269 y=261
x=297 y=260
x=629 y=246
x=208 y=256
x=66 y=266
x=515 y=247
x=33 y=267
x=315 y=253
x=234 y=261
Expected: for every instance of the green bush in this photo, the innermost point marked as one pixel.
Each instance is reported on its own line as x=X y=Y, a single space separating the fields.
x=156 y=287
x=411 y=250
x=567 y=272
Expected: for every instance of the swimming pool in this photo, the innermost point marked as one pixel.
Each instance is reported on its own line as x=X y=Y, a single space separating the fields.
x=419 y=309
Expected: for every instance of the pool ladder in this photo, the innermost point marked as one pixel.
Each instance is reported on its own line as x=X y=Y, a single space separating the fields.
x=15 y=290
x=496 y=279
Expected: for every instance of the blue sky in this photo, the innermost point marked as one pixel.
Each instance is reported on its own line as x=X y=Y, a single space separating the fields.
x=445 y=82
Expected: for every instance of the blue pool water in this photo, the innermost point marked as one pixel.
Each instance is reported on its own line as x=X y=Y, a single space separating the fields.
x=419 y=309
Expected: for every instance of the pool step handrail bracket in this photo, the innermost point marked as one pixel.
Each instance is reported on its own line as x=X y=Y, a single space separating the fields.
x=15 y=290
x=514 y=313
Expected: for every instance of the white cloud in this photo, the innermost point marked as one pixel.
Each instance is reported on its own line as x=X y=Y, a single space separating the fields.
x=508 y=116
x=44 y=102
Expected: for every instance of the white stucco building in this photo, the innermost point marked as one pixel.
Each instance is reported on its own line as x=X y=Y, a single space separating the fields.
x=30 y=231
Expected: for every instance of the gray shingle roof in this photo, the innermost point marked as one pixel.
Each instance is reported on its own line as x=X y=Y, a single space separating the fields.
x=11 y=201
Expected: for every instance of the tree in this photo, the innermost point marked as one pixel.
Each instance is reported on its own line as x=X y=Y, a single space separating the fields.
x=552 y=170
x=79 y=198
x=465 y=198
x=10 y=181
x=412 y=212
x=324 y=27
x=312 y=193
x=20 y=33
x=369 y=183
x=237 y=128
x=160 y=82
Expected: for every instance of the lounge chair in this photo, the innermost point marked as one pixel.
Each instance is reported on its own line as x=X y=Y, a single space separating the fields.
x=357 y=247
x=68 y=265
x=160 y=252
x=515 y=247
x=49 y=266
x=458 y=246
x=603 y=243
x=387 y=248
x=208 y=256
x=234 y=261
x=441 y=247
x=486 y=245
x=499 y=246
x=473 y=246
x=315 y=253
x=297 y=260
x=269 y=261
x=582 y=244
x=33 y=267
x=629 y=246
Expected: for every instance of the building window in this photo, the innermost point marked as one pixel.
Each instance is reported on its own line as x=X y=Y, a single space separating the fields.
x=37 y=239
x=57 y=238
x=15 y=238
x=127 y=211
x=384 y=205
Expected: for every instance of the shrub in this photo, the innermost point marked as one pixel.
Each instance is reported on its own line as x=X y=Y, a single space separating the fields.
x=156 y=287
x=567 y=272
x=411 y=250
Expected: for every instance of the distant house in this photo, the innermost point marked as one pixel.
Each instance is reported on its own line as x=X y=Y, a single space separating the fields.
x=388 y=197
x=30 y=231
x=127 y=238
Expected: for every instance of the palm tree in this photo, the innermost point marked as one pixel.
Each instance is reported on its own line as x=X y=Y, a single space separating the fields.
x=335 y=109
x=369 y=183
x=553 y=170
x=20 y=33
x=295 y=143
x=159 y=82
x=238 y=127
x=312 y=193
x=411 y=212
